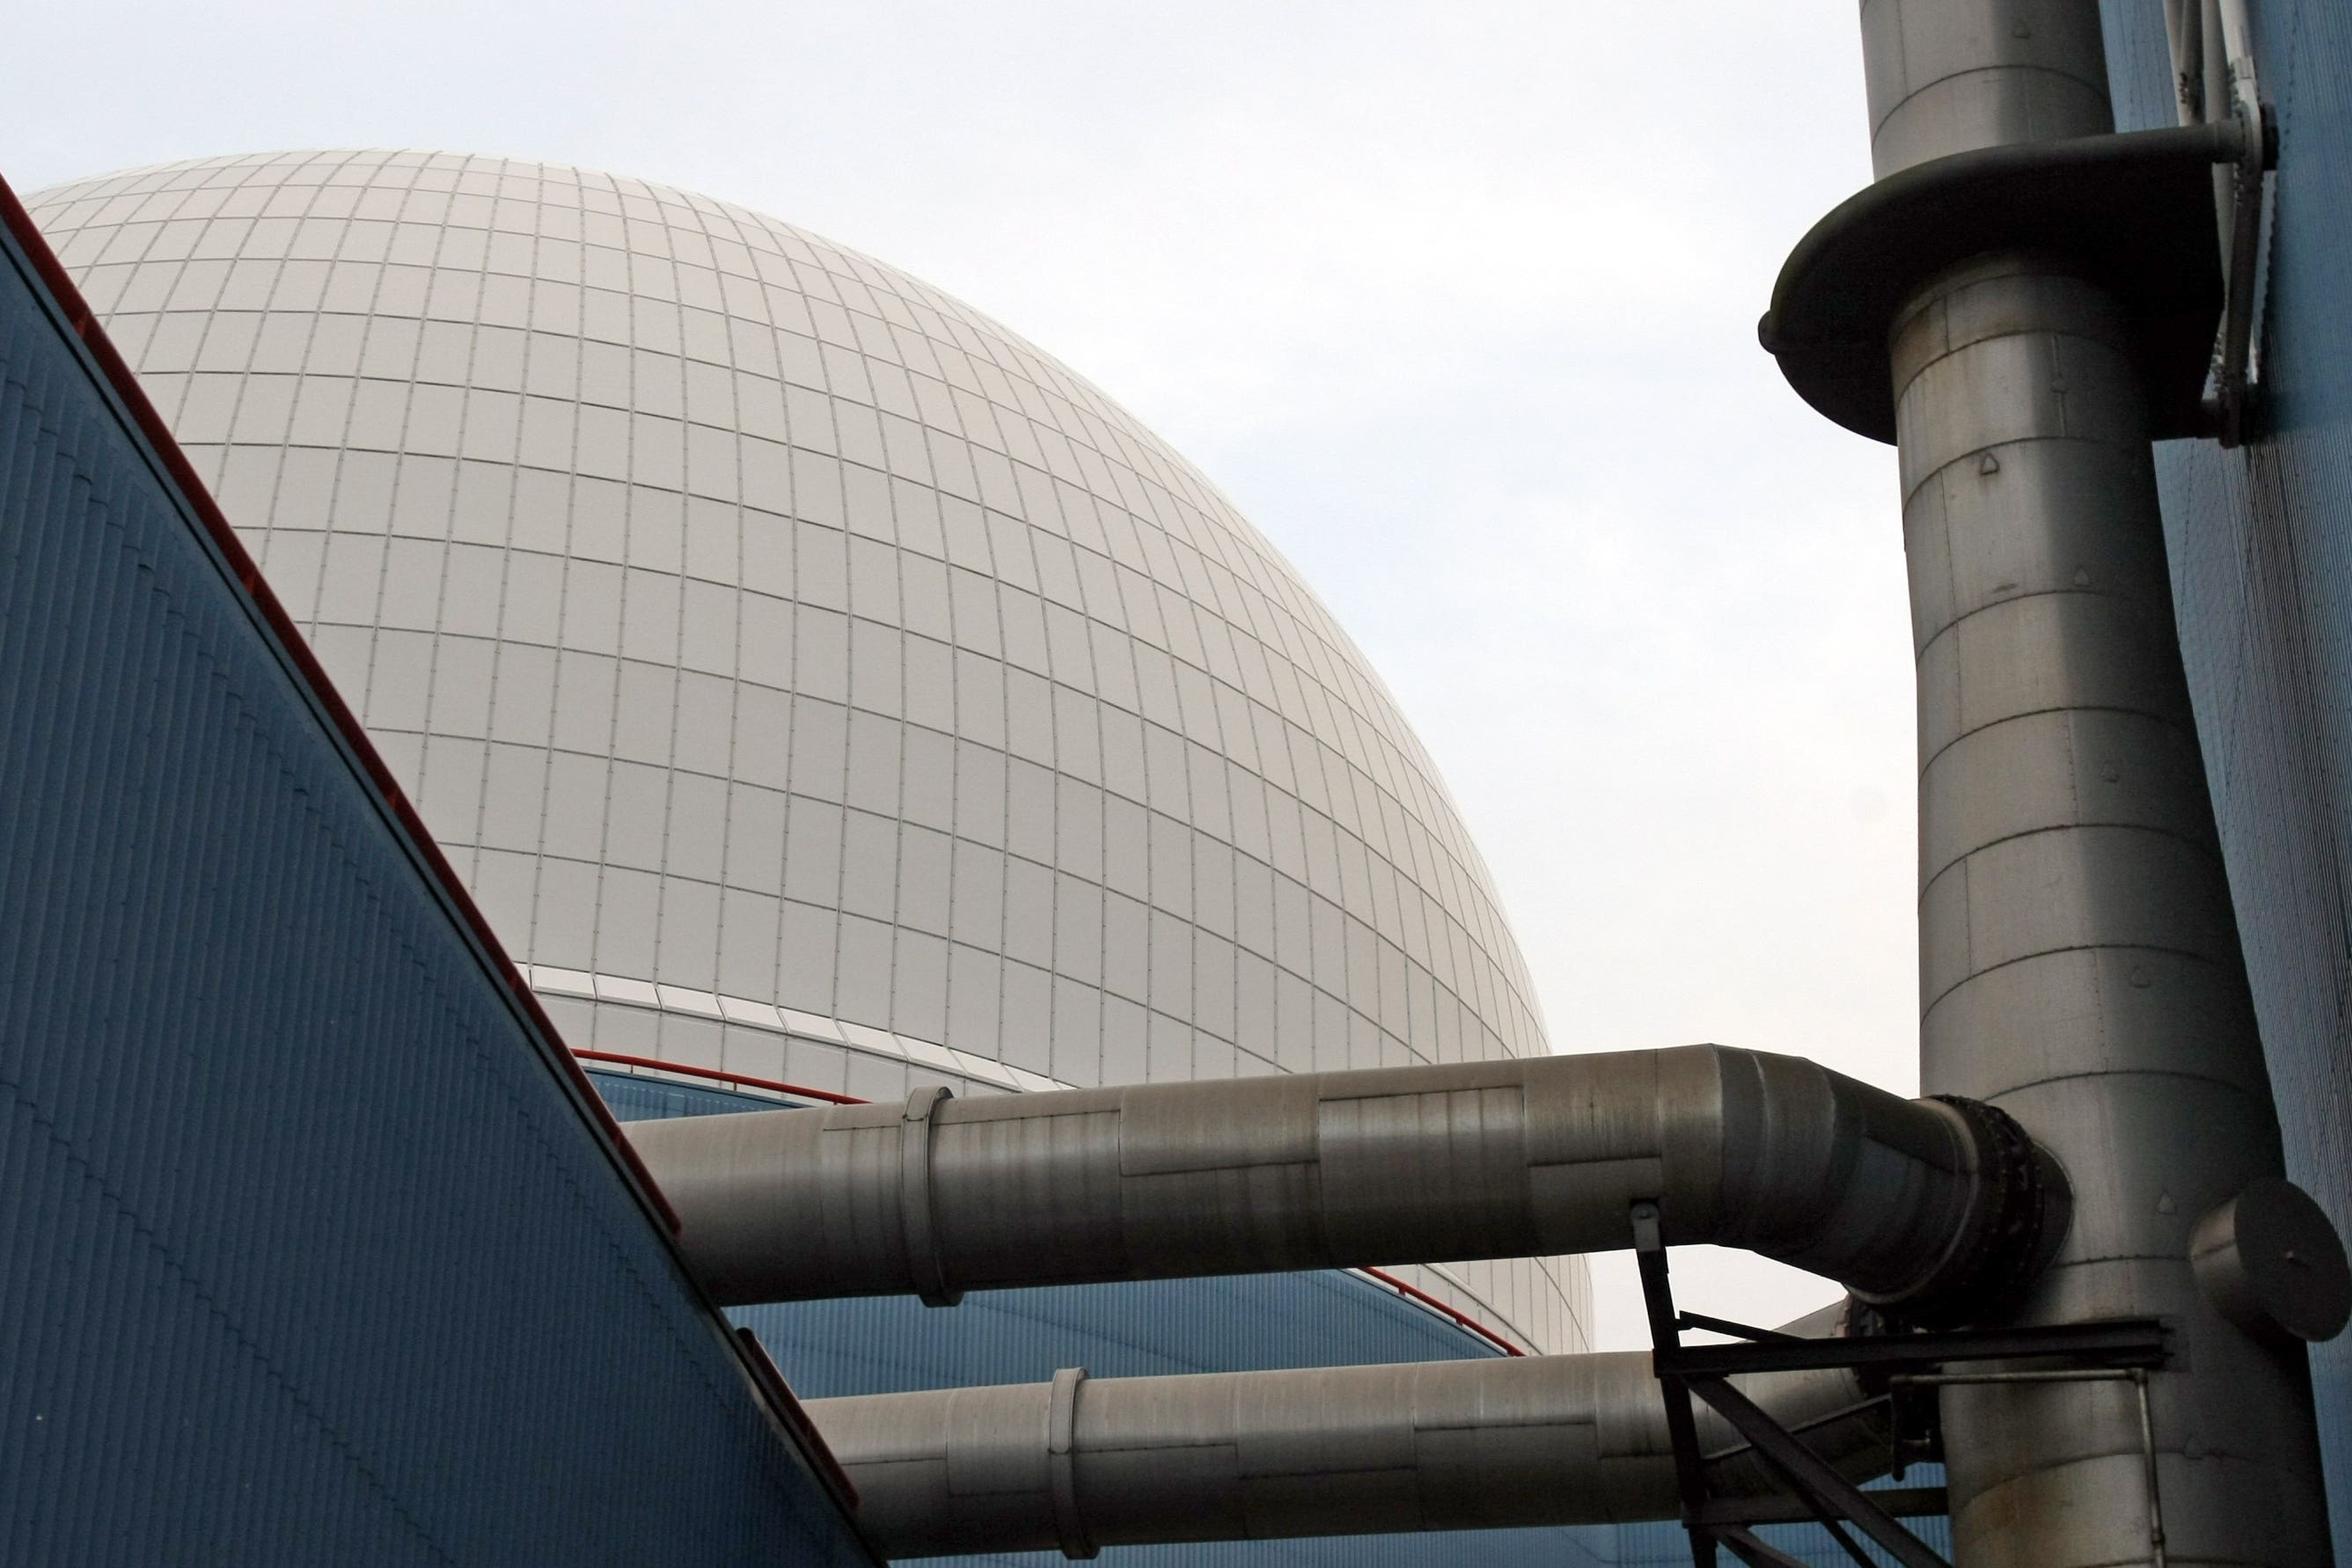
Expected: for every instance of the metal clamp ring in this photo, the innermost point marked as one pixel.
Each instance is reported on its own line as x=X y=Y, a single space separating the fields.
x=1061 y=1445
x=915 y=1209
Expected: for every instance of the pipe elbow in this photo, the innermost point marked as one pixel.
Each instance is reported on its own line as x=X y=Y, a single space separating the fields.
x=1932 y=1210
x=1927 y=1209
x=2019 y=1207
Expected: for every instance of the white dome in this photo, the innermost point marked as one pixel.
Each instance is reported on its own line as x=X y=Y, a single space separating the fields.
x=791 y=657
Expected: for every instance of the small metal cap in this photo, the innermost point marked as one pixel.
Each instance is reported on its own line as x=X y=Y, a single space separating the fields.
x=2272 y=1264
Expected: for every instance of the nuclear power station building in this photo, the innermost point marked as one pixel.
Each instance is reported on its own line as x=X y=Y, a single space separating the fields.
x=663 y=899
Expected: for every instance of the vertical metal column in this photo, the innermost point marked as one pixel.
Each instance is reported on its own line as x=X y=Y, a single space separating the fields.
x=2079 y=964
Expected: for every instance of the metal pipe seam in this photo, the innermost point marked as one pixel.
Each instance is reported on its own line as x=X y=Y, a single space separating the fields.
x=2045 y=797
x=1929 y=1205
x=1487 y=1443
x=1945 y=78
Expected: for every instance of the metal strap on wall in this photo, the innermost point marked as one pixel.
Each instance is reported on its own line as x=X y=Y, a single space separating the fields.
x=1061 y=1454
x=915 y=1205
x=2214 y=81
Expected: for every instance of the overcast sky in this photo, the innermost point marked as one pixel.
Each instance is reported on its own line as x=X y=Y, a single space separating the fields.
x=1456 y=299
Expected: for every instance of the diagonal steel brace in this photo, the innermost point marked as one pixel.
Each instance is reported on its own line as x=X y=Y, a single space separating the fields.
x=1812 y=1475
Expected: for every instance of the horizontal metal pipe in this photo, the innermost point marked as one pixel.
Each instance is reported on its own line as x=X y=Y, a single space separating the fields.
x=1079 y=1463
x=1902 y=1201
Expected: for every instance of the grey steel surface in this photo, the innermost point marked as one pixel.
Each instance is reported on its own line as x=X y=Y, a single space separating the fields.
x=2079 y=960
x=1900 y=1200
x=2111 y=1344
x=1330 y=1451
x=1948 y=76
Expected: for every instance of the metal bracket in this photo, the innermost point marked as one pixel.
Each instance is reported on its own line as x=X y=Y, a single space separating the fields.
x=1827 y=1496
x=2215 y=83
x=2233 y=367
x=2123 y=1349
x=915 y=1209
x=2136 y=209
x=1682 y=1425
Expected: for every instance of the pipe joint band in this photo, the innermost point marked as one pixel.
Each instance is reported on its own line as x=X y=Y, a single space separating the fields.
x=1061 y=1460
x=924 y=1271
x=2023 y=1205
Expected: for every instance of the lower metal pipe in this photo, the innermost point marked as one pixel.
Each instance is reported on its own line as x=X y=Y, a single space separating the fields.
x=1079 y=1464
x=1934 y=1205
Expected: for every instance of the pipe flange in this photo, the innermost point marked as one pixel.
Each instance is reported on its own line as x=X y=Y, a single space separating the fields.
x=2023 y=1209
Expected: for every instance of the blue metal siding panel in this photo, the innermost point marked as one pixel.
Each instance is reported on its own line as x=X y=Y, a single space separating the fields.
x=887 y=1345
x=310 y=1254
x=2261 y=540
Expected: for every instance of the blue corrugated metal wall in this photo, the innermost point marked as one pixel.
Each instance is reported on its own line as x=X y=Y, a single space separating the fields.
x=2261 y=540
x=307 y=1254
x=883 y=1345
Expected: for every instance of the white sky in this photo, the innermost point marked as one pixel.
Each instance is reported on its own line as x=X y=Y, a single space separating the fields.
x=1456 y=300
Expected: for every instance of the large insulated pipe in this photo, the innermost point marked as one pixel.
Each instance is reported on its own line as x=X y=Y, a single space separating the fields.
x=1919 y=1201
x=1079 y=1463
x=2079 y=962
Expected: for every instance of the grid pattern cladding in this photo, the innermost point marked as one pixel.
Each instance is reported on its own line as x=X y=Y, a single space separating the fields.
x=752 y=621
x=2261 y=540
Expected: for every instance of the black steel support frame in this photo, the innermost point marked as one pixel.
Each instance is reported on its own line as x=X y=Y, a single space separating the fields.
x=1815 y=1489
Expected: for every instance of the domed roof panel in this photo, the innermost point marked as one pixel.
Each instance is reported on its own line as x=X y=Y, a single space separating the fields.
x=771 y=639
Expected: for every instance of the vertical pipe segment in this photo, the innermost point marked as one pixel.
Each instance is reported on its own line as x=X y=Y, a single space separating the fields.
x=2079 y=962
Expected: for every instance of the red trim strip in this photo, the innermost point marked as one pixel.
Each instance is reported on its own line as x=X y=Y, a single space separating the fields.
x=1415 y=1293
x=182 y=474
x=766 y=1083
x=1409 y=1291
x=795 y=1418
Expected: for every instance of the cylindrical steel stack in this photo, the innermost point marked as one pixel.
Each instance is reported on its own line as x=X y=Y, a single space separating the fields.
x=2079 y=965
